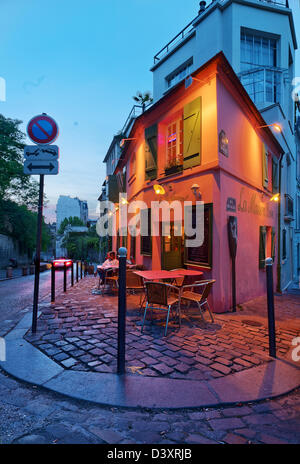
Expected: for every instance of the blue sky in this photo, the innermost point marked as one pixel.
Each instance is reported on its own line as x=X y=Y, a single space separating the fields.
x=81 y=62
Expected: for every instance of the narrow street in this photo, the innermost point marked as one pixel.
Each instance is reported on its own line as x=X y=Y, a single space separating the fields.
x=17 y=294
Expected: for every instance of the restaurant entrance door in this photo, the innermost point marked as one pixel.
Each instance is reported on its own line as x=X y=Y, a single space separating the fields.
x=172 y=248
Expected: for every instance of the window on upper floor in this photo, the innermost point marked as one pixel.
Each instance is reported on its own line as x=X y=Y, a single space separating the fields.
x=179 y=74
x=132 y=167
x=260 y=74
x=174 y=144
x=257 y=50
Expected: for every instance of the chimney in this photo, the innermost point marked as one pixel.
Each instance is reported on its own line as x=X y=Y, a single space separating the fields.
x=202 y=7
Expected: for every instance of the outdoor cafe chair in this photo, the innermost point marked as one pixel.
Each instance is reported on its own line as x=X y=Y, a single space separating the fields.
x=160 y=296
x=110 y=279
x=134 y=283
x=198 y=293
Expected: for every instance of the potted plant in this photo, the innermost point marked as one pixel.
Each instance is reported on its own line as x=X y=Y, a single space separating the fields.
x=174 y=165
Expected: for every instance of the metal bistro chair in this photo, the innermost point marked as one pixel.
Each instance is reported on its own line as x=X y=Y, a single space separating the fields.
x=189 y=294
x=160 y=296
x=110 y=278
x=134 y=283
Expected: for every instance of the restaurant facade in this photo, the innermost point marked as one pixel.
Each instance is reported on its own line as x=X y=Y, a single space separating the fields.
x=204 y=141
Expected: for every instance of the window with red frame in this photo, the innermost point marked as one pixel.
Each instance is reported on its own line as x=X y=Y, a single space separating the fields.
x=175 y=143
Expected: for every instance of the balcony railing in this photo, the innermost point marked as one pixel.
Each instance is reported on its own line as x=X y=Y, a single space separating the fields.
x=175 y=41
x=190 y=28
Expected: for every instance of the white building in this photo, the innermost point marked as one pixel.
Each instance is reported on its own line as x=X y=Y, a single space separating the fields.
x=70 y=207
x=258 y=38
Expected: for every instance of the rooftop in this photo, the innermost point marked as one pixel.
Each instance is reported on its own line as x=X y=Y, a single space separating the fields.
x=190 y=28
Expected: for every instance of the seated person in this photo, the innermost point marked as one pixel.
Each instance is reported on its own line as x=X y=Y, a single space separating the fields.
x=111 y=262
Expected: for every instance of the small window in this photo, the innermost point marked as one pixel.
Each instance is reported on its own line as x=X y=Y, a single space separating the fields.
x=146 y=240
x=284 y=244
x=179 y=74
x=202 y=255
x=132 y=168
x=175 y=143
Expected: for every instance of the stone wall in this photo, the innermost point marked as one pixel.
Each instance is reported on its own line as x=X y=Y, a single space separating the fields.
x=10 y=249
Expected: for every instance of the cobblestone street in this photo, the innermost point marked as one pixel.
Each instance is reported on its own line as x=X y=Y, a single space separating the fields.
x=80 y=332
x=31 y=415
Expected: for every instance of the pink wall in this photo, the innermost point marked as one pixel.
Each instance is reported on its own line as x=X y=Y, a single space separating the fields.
x=239 y=176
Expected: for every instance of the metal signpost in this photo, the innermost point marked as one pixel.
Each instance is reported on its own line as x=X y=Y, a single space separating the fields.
x=40 y=159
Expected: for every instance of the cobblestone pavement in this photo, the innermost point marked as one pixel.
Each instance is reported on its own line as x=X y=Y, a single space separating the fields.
x=80 y=332
x=31 y=415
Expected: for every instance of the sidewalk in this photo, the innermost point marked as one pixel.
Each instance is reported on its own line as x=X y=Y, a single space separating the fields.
x=16 y=273
x=74 y=353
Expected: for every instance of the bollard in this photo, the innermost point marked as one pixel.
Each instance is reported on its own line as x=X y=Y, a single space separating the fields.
x=271 y=315
x=24 y=270
x=52 y=284
x=76 y=271
x=65 y=277
x=9 y=272
x=80 y=269
x=122 y=310
x=72 y=275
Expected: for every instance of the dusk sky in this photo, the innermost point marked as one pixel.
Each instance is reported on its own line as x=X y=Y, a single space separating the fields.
x=81 y=62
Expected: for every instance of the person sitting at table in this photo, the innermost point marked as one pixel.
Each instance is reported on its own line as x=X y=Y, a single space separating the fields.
x=111 y=262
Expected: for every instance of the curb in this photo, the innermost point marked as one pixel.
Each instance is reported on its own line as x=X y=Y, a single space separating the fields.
x=28 y=364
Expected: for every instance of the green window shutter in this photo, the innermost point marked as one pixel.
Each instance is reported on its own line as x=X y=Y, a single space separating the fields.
x=262 y=246
x=146 y=240
x=275 y=176
x=273 y=243
x=113 y=189
x=192 y=134
x=265 y=176
x=151 y=152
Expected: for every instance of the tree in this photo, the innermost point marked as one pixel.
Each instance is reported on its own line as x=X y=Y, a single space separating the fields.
x=20 y=223
x=82 y=245
x=71 y=221
x=14 y=184
x=142 y=99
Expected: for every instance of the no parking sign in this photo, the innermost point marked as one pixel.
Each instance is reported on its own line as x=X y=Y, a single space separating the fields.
x=42 y=129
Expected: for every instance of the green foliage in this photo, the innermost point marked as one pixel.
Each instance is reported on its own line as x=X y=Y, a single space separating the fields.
x=143 y=99
x=82 y=245
x=72 y=221
x=14 y=184
x=18 y=192
x=18 y=222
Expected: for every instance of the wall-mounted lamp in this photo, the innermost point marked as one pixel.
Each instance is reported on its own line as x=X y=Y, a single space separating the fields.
x=189 y=80
x=124 y=201
x=158 y=189
x=275 y=197
x=195 y=189
x=275 y=126
x=122 y=143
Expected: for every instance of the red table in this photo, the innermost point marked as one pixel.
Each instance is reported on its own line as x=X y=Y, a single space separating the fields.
x=189 y=272
x=158 y=275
